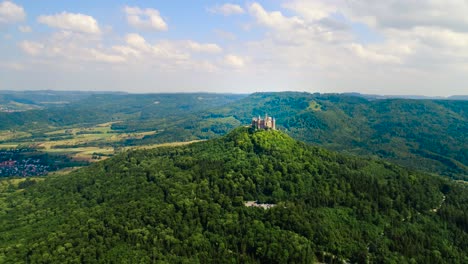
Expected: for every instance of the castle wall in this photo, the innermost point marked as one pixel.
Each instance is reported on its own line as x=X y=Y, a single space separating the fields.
x=267 y=123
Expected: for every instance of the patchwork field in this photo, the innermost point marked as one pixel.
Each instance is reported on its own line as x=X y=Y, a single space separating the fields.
x=79 y=144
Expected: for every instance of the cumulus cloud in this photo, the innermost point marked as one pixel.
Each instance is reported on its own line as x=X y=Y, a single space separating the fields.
x=227 y=9
x=11 y=13
x=204 y=48
x=294 y=30
x=275 y=19
x=324 y=45
x=179 y=50
x=234 y=61
x=31 y=47
x=69 y=46
x=137 y=41
x=167 y=55
x=311 y=9
x=70 y=21
x=147 y=19
x=373 y=55
x=409 y=14
x=166 y=50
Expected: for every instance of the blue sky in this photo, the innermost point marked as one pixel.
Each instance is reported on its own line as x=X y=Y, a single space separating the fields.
x=379 y=47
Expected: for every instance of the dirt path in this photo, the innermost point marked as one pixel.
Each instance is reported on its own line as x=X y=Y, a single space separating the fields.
x=440 y=205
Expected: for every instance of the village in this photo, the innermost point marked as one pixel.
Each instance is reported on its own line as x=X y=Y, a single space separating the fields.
x=24 y=167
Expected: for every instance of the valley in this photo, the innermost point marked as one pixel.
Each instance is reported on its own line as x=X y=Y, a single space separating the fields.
x=423 y=134
x=68 y=134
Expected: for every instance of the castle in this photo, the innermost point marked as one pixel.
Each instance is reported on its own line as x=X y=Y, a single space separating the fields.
x=267 y=123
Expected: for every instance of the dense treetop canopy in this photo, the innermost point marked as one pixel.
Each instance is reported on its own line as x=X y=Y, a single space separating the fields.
x=186 y=205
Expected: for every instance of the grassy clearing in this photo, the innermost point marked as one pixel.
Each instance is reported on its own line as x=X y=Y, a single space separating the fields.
x=12 y=135
x=90 y=139
x=171 y=144
x=314 y=106
x=102 y=128
x=101 y=133
x=64 y=171
x=8 y=145
x=108 y=124
x=80 y=143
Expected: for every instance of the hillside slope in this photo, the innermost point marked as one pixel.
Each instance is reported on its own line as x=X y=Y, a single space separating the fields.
x=430 y=135
x=95 y=108
x=186 y=205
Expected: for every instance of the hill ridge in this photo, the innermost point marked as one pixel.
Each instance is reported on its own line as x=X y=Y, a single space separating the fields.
x=186 y=204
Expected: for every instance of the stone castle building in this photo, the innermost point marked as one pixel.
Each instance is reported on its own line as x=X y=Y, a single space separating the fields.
x=267 y=123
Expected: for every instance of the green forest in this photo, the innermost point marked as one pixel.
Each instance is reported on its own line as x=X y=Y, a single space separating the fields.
x=424 y=134
x=186 y=205
x=429 y=135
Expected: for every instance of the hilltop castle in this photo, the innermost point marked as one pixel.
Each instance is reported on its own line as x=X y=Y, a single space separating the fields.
x=267 y=123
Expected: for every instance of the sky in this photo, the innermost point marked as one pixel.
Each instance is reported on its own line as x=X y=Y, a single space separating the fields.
x=393 y=47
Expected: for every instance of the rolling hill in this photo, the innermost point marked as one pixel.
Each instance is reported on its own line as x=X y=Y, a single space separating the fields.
x=430 y=135
x=187 y=205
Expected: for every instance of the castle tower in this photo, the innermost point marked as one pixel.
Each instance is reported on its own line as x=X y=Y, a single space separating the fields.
x=267 y=123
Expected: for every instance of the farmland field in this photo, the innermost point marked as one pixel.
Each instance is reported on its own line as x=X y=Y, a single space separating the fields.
x=75 y=144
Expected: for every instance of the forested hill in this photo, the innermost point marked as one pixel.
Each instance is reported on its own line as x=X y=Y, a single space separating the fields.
x=95 y=108
x=430 y=135
x=186 y=205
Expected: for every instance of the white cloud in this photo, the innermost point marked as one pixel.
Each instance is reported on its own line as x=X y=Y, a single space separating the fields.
x=73 y=22
x=76 y=49
x=31 y=48
x=386 y=47
x=294 y=30
x=440 y=37
x=275 y=19
x=178 y=50
x=138 y=42
x=171 y=52
x=373 y=55
x=409 y=14
x=148 y=19
x=234 y=61
x=227 y=9
x=311 y=9
x=97 y=55
x=204 y=48
x=126 y=51
x=65 y=46
x=25 y=29
x=11 y=13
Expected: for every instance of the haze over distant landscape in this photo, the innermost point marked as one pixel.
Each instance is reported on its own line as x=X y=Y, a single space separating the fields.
x=373 y=47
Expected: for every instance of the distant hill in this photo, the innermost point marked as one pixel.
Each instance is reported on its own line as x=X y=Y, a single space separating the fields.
x=430 y=135
x=415 y=97
x=425 y=134
x=85 y=108
x=459 y=97
x=186 y=205
x=30 y=100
